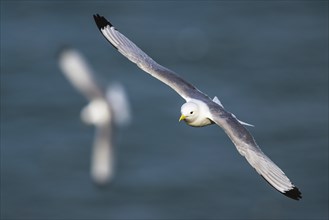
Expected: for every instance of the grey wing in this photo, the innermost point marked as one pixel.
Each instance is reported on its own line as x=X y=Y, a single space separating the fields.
x=247 y=147
x=143 y=61
x=80 y=75
x=121 y=108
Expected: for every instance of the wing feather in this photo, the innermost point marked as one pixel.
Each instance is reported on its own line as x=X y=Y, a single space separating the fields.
x=128 y=49
x=247 y=147
x=78 y=72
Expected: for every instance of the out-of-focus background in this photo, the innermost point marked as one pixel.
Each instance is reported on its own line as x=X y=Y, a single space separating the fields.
x=267 y=61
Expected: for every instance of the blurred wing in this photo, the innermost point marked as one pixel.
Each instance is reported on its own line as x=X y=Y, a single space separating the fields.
x=102 y=160
x=248 y=148
x=119 y=102
x=77 y=71
x=143 y=61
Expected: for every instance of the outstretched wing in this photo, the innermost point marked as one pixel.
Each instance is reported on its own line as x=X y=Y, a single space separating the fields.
x=146 y=63
x=80 y=75
x=247 y=147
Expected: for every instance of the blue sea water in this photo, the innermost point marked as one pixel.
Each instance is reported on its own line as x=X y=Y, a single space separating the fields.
x=267 y=61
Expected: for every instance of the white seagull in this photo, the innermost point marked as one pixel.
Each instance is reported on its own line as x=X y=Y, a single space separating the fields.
x=106 y=110
x=200 y=110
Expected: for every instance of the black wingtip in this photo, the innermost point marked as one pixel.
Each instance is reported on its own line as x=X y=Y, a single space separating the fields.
x=101 y=22
x=294 y=193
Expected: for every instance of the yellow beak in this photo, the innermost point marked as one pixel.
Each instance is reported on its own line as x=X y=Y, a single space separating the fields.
x=182 y=117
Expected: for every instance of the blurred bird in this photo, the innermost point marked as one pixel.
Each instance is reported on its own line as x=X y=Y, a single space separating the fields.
x=106 y=110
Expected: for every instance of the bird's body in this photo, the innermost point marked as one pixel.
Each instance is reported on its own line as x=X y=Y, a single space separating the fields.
x=200 y=110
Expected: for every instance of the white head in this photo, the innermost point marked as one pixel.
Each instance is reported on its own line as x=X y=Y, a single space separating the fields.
x=195 y=113
x=190 y=112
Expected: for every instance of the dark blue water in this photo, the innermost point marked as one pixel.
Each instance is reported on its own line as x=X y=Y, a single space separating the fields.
x=266 y=61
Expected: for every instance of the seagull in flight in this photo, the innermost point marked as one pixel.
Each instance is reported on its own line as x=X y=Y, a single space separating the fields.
x=106 y=110
x=200 y=110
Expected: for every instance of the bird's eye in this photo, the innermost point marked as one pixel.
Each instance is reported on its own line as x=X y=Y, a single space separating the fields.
x=191 y=112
